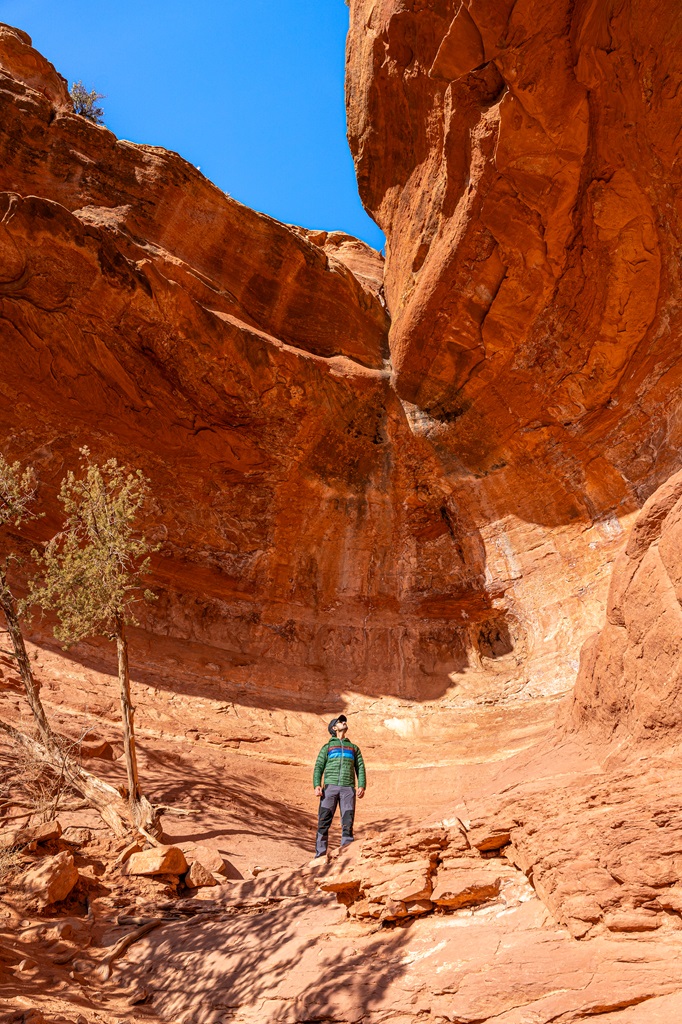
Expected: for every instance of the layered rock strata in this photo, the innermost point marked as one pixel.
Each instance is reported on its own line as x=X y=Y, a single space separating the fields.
x=310 y=540
x=523 y=160
x=412 y=508
x=326 y=526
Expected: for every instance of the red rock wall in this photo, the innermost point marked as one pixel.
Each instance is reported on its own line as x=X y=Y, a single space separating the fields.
x=523 y=160
x=630 y=681
x=417 y=511
x=310 y=543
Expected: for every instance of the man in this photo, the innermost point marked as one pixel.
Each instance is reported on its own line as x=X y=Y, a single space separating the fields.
x=339 y=761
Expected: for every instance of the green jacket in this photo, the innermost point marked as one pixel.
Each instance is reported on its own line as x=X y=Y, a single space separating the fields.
x=339 y=761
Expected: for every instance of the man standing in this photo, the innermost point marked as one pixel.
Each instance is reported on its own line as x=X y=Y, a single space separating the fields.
x=339 y=761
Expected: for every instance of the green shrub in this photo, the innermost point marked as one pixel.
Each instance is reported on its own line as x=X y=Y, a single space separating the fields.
x=85 y=103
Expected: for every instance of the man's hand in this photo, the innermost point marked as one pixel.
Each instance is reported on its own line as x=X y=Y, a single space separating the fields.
x=318 y=790
x=361 y=792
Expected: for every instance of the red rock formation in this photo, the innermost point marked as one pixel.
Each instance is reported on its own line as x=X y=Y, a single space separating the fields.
x=310 y=539
x=317 y=533
x=523 y=160
x=630 y=681
x=519 y=158
x=333 y=521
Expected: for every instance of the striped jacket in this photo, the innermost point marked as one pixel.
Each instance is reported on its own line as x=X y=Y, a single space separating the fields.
x=339 y=761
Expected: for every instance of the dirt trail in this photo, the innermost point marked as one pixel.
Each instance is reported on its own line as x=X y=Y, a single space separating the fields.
x=268 y=944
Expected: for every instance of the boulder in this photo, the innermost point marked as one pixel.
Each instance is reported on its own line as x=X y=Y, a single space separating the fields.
x=125 y=854
x=199 y=877
x=159 y=860
x=52 y=879
x=93 y=745
x=208 y=856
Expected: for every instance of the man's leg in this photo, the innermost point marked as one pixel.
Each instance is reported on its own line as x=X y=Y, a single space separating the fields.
x=347 y=801
x=328 y=802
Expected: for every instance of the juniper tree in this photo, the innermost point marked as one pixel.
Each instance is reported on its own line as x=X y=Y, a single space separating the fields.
x=85 y=102
x=92 y=574
x=17 y=497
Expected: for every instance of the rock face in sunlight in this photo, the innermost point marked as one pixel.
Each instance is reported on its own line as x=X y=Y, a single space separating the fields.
x=315 y=538
x=629 y=680
x=309 y=538
x=523 y=161
x=320 y=533
x=397 y=489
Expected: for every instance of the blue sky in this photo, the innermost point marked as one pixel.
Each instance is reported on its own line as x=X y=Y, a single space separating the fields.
x=249 y=90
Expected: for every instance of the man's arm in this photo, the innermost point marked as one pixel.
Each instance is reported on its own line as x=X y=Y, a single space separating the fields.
x=320 y=766
x=360 y=769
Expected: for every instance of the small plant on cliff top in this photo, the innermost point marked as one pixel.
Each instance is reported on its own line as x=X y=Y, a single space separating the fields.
x=85 y=102
x=92 y=577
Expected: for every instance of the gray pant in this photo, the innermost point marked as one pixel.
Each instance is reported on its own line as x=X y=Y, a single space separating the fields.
x=331 y=797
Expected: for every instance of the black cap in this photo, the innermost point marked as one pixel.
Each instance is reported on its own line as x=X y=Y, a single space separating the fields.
x=330 y=727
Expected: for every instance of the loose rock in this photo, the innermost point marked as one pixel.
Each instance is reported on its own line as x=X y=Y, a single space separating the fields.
x=199 y=877
x=160 y=860
x=52 y=879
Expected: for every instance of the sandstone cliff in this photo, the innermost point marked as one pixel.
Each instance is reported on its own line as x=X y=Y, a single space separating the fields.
x=523 y=160
x=336 y=517
x=404 y=481
x=628 y=688
x=311 y=535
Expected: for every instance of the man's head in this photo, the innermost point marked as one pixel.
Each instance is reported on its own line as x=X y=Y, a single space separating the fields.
x=339 y=726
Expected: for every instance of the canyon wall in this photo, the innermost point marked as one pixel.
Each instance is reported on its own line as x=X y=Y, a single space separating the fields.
x=310 y=542
x=628 y=687
x=408 y=479
x=523 y=161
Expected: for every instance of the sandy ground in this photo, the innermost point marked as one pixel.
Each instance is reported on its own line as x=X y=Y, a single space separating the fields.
x=267 y=945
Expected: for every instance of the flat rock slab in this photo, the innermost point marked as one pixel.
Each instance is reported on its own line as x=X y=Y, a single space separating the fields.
x=160 y=860
x=297 y=960
x=466 y=887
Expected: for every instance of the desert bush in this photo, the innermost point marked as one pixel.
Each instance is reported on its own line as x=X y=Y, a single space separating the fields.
x=92 y=577
x=100 y=602
x=85 y=102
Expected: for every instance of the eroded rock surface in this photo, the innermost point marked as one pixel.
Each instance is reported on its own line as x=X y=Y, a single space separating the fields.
x=523 y=160
x=310 y=539
x=322 y=529
x=629 y=685
x=279 y=949
x=394 y=877
x=348 y=507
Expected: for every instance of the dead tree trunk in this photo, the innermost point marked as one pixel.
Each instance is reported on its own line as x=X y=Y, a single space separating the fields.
x=99 y=794
x=127 y=712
